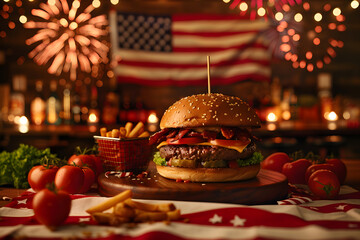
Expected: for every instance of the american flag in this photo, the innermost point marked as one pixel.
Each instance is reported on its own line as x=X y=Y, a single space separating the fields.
x=172 y=50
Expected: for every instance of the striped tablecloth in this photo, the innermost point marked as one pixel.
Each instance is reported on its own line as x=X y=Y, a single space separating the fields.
x=299 y=217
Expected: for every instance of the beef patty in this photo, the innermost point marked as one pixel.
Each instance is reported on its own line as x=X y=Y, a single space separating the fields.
x=205 y=153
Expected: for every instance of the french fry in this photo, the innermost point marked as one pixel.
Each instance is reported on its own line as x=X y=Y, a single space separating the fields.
x=173 y=215
x=110 y=202
x=136 y=130
x=109 y=218
x=103 y=132
x=122 y=132
x=102 y=218
x=144 y=216
x=161 y=207
x=117 y=221
x=128 y=127
x=144 y=134
x=115 y=133
x=123 y=210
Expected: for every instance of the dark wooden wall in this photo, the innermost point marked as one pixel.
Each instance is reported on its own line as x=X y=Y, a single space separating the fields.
x=345 y=68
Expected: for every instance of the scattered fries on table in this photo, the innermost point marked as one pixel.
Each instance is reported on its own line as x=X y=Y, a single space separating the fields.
x=128 y=131
x=126 y=210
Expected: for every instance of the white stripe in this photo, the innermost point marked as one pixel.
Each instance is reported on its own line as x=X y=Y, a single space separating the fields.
x=191 y=231
x=301 y=200
x=223 y=41
x=16 y=212
x=179 y=74
x=113 y=32
x=308 y=199
x=191 y=58
x=6 y=231
x=290 y=201
x=204 y=26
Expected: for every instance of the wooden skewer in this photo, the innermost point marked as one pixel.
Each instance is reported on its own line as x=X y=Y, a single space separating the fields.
x=208 y=73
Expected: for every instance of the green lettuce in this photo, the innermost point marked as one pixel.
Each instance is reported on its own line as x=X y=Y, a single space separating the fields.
x=158 y=160
x=256 y=158
x=15 y=165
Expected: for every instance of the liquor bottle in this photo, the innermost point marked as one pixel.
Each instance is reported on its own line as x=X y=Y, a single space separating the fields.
x=84 y=103
x=67 y=105
x=94 y=112
x=111 y=108
x=17 y=98
x=53 y=106
x=38 y=105
x=75 y=108
x=125 y=107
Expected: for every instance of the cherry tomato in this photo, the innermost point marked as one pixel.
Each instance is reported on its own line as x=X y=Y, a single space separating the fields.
x=295 y=171
x=89 y=179
x=41 y=175
x=324 y=184
x=98 y=164
x=82 y=160
x=69 y=179
x=316 y=167
x=275 y=161
x=339 y=168
x=51 y=208
x=187 y=140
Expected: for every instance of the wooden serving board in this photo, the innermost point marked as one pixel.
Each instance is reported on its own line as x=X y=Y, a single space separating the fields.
x=267 y=187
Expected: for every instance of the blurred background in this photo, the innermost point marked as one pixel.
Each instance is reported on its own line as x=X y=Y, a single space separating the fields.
x=69 y=67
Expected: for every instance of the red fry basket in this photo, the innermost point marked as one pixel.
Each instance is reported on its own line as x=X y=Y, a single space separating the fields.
x=128 y=155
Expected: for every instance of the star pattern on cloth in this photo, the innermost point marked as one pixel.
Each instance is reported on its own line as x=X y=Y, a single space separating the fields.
x=22 y=201
x=237 y=221
x=215 y=219
x=84 y=219
x=341 y=207
x=353 y=225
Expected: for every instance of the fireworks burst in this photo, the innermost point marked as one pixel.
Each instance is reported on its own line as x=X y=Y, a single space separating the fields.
x=283 y=34
x=68 y=37
x=317 y=39
x=262 y=8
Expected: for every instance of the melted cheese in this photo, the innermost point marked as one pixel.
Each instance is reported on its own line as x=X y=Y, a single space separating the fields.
x=237 y=148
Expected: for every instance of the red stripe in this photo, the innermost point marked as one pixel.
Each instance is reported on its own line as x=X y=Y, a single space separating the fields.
x=206 y=17
x=193 y=82
x=219 y=49
x=185 y=65
x=258 y=217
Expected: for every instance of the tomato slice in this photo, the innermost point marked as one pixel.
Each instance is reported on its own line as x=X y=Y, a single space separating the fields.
x=233 y=164
x=235 y=143
x=187 y=140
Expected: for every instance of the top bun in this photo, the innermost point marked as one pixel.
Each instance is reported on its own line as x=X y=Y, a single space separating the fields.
x=209 y=110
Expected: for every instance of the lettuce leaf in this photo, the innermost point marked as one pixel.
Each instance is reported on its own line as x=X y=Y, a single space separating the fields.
x=158 y=160
x=5 y=169
x=256 y=158
x=15 y=165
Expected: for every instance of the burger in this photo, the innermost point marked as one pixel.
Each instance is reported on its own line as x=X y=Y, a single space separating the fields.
x=207 y=138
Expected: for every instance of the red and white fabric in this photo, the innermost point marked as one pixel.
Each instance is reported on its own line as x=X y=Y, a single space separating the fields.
x=317 y=219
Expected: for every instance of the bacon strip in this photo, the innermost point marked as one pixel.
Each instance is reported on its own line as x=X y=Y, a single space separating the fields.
x=158 y=136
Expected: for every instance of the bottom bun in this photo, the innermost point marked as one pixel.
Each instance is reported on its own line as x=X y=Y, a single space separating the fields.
x=209 y=174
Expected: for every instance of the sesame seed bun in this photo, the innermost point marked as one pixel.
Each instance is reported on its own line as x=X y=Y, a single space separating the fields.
x=209 y=110
x=209 y=174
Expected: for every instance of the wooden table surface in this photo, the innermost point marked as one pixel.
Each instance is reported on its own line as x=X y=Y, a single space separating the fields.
x=352 y=179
